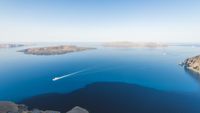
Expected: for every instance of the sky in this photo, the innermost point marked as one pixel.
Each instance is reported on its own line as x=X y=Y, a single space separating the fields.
x=100 y=20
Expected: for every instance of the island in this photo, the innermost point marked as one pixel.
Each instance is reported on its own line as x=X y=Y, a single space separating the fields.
x=192 y=64
x=11 y=107
x=126 y=44
x=55 y=50
x=10 y=45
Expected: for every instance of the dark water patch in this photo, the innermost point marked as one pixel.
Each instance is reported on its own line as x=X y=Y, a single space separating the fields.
x=107 y=97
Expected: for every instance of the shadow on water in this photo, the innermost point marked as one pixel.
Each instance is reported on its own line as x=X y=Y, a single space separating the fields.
x=193 y=74
x=114 y=97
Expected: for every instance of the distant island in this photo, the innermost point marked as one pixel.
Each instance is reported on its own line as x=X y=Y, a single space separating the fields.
x=10 y=107
x=10 y=45
x=134 y=44
x=192 y=64
x=55 y=50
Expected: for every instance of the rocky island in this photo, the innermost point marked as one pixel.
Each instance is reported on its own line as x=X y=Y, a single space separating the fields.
x=10 y=45
x=10 y=107
x=134 y=45
x=192 y=64
x=55 y=50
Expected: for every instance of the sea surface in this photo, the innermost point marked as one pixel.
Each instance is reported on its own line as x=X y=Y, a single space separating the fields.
x=23 y=76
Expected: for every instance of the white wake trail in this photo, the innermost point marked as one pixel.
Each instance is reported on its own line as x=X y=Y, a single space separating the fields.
x=64 y=76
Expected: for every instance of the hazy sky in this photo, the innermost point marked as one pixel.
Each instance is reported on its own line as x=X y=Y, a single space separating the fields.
x=99 y=20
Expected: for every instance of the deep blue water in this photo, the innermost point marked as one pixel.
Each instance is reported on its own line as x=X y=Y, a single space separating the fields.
x=23 y=76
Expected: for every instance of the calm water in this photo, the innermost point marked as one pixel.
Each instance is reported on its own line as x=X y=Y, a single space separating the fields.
x=22 y=76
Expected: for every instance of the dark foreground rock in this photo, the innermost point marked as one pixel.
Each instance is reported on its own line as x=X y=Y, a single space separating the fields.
x=78 y=110
x=105 y=97
x=10 y=107
x=55 y=50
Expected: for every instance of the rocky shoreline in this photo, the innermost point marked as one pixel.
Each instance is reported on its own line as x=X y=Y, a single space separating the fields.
x=10 y=107
x=55 y=50
x=192 y=64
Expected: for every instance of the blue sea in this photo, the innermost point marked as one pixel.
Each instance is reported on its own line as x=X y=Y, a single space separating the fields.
x=23 y=76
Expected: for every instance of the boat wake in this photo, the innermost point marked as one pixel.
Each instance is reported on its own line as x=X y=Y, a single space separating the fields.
x=64 y=76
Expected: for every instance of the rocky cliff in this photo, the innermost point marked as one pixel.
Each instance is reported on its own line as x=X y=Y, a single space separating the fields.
x=10 y=107
x=192 y=64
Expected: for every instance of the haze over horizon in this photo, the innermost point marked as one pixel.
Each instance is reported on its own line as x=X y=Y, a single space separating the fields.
x=99 y=20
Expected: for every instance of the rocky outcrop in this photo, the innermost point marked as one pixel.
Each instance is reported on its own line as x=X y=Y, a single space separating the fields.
x=55 y=50
x=134 y=45
x=78 y=110
x=192 y=64
x=10 y=107
x=10 y=45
